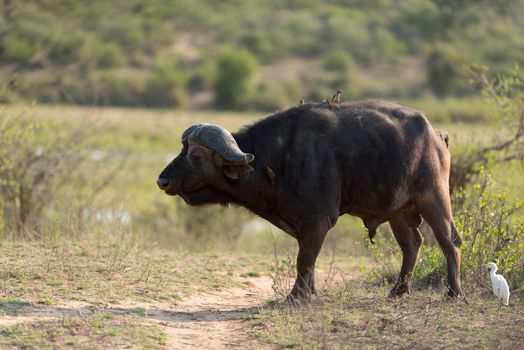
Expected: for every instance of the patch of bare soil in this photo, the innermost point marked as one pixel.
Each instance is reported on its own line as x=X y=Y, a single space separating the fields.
x=214 y=320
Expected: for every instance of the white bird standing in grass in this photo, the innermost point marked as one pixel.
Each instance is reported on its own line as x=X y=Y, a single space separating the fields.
x=500 y=286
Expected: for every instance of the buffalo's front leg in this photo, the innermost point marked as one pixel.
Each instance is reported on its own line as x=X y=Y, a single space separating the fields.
x=309 y=243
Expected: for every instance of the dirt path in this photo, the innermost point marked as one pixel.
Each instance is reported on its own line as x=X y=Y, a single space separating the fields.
x=214 y=320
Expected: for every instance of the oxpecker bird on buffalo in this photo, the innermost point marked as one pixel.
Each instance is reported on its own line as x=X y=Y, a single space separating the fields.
x=304 y=167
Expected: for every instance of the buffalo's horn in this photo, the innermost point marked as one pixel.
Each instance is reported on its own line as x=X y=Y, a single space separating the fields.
x=189 y=131
x=219 y=140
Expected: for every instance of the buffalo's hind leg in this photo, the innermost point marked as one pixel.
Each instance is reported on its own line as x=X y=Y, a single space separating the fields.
x=410 y=240
x=435 y=207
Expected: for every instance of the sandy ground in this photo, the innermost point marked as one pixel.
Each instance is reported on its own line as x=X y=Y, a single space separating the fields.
x=214 y=320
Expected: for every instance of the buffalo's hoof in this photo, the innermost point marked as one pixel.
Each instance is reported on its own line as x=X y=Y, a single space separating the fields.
x=453 y=294
x=297 y=299
x=399 y=290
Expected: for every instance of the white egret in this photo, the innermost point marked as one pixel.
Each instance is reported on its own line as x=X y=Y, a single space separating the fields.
x=500 y=286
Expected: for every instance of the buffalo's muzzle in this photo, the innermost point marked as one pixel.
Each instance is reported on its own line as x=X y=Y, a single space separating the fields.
x=162 y=183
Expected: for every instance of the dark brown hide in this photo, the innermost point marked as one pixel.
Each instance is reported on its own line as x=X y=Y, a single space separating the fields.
x=380 y=161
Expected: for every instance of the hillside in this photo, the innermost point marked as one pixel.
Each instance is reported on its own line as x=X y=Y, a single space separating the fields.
x=270 y=54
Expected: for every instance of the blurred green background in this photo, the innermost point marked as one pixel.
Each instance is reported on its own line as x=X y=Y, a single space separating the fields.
x=95 y=95
x=261 y=55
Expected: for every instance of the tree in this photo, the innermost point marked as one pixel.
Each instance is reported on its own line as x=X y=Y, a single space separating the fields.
x=507 y=92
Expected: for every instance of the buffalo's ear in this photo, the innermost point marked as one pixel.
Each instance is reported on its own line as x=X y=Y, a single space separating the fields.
x=236 y=171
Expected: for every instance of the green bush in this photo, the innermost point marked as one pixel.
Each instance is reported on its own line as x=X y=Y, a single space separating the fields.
x=348 y=31
x=272 y=97
x=235 y=69
x=505 y=141
x=201 y=76
x=384 y=46
x=338 y=61
x=120 y=90
x=46 y=173
x=492 y=231
x=165 y=86
x=445 y=70
x=47 y=40
x=259 y=46
x=110 y=55
x=418 y=20
x=16 y=49
x=64 y=48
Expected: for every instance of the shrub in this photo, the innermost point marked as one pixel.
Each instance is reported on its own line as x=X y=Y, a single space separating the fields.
x=272 y=97
x=118 y=90
x=444 y=69
x=492 y=232
x=338 y=61
x=15 y=49
x=47 y=171
x=165 y=86
x=110 y=55
x=201 y=76
x=506 y=143
x=259 y=46
x=234 y=73
x=418 y=18
x=64 y=48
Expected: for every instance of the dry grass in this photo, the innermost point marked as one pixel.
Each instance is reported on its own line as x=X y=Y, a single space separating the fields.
x=352 y=311
x=105 y=273
x=96 y=294
x=67 y=294
x=360 y=316
x=97 y=331
x=108 y=270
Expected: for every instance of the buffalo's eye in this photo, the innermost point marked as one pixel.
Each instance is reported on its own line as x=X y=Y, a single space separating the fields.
x=195 y=156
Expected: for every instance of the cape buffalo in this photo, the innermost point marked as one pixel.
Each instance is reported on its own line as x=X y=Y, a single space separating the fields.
x=303 y=167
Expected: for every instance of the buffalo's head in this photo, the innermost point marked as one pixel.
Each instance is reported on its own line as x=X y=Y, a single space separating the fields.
x=210 y=158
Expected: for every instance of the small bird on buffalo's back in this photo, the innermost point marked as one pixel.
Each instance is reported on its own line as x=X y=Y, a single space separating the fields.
x=499 y=284
x=336 y=97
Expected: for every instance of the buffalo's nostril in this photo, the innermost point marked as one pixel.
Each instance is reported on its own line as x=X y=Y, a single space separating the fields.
x=162 y=183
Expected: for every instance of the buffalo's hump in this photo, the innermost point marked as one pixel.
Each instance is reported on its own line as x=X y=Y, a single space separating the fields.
x=358 y=156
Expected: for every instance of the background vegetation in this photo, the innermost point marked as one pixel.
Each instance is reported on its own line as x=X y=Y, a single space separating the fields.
x=177 y=53
x=81 y=148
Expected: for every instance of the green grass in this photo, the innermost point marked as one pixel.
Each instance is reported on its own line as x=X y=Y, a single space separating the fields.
x=452 y=111
x=152 y=137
